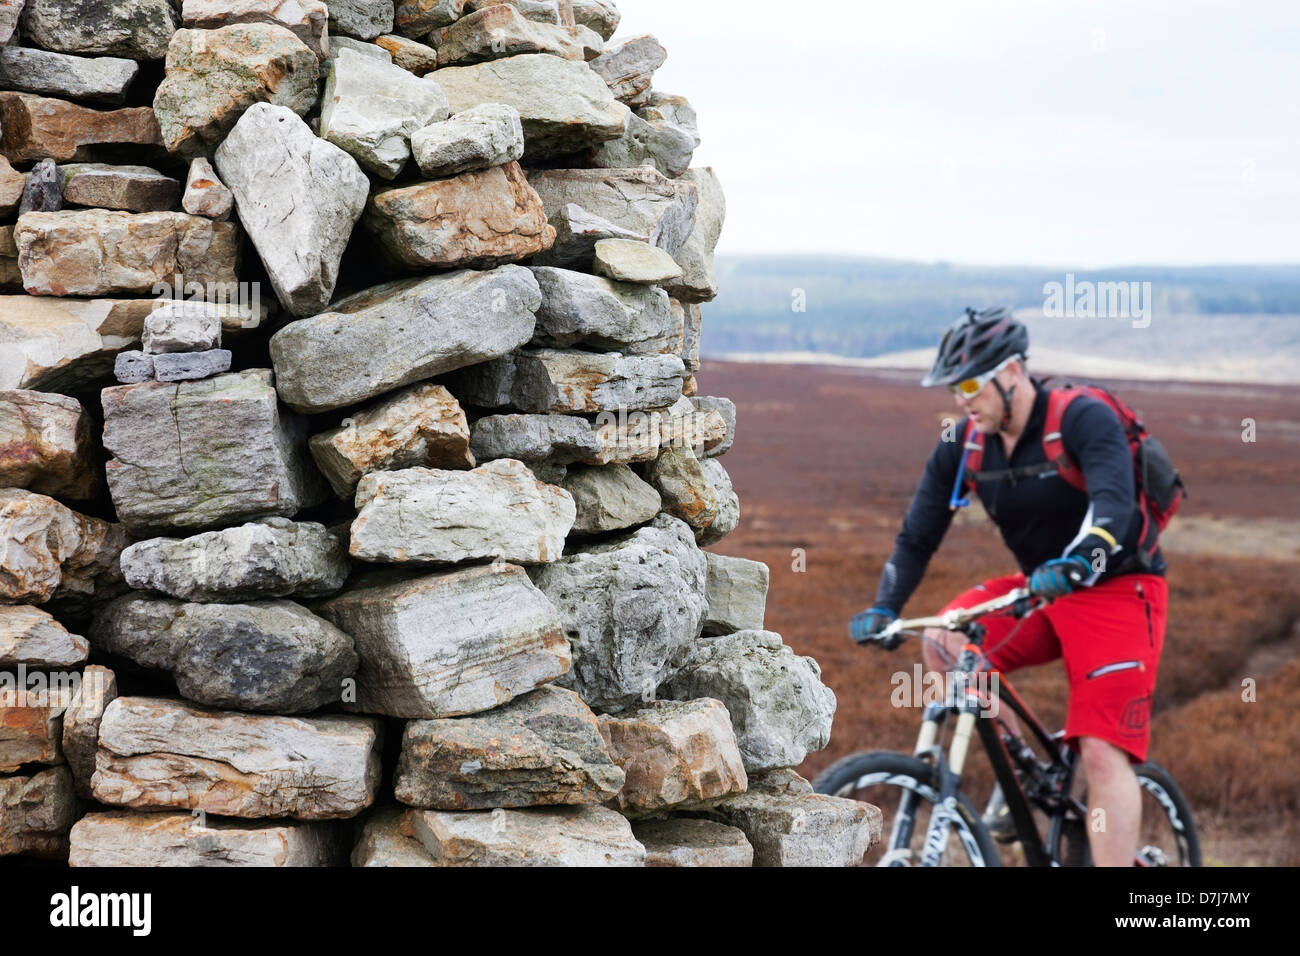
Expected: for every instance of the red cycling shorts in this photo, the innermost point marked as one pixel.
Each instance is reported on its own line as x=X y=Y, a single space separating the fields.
x=1110 y=636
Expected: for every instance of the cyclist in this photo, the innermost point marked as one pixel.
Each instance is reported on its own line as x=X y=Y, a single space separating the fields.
x=1081 y=548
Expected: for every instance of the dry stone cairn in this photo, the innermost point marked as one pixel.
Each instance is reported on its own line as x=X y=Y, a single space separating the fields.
x=347 y=395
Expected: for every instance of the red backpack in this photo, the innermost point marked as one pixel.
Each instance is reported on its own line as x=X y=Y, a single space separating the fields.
x=1160 y=489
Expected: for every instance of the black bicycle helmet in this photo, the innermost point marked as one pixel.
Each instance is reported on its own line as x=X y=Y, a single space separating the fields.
x=976 y=343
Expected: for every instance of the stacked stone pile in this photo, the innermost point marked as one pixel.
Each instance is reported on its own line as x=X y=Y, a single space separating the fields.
x=401 y=562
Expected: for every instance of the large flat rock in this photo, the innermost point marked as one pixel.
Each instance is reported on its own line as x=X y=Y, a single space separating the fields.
x=120 y=838
x=562 y=104
x=539 y=836
x=40 y=127
x=164 y=754
x=92 y=252
x=449 y=644
x=403 y=332
x=543 y=748
x=498 y=510
x=642 y=202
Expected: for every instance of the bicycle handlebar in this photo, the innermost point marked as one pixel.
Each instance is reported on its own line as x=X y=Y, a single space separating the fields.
x=954 y=619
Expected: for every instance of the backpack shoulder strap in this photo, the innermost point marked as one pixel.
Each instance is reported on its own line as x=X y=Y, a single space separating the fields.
x=1058 y=400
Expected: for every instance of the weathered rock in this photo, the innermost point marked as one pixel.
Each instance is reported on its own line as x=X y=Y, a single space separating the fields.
x=10 y=276
x=47 y=445
x=272 y=557
x=541 y=836
x=96 y=251
x=631 y=607
x=387 y=839
x=541 y=749
x=737 y=594
x=271 y=656
x=685 y=841
x=684 y=426
x=670 y=108
x=598 y=313
x=449 y=644
x=728 y=504
x=133 y=366
x=686 y=493
x=172 y=469
x=562 y=105
x=725 y=408
x=418 y=17
x=362 y=19
x=692 y=319
x=572 y=382
x=779 y=707
x=121 y=838
x=541 y=11
x=477 y=138
x=545 y=440
x=598 y=15
x=609 y=498
x=214 y=76
x=29 y=726
x=205 y=194
x=96 y=690
x=298 y=196
x=403 y=332
x=421 y=426
x=674 y=754
x=305 y=19
x=165 y=754
x=38 y=127
x=9 y=11
x=138 y=29
x=500 y=30
x=130 y=188
x=95 y=80
x=44 y=189
x=413 y=57
x=371 y=109
x=180 y=325
x=12 y=184
x=576 y=234
x=626 y=260
x=33 y=638
x=641 y=201
x=36 y=812
x=805 y=829
x=52 y=552
x=498 y=510
x=190 y=366
x=340 y=43
x=658 y=143
x=698 y=282
x=476 y=219
x=629 y=67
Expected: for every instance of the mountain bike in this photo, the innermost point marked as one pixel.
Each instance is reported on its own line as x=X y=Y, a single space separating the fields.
x=904 y=787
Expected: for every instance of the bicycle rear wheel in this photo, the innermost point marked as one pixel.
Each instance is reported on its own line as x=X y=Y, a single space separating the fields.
x=883 y=778
x=1167 y=833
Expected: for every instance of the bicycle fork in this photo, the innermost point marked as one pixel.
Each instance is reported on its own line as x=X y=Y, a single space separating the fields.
x=966 y=702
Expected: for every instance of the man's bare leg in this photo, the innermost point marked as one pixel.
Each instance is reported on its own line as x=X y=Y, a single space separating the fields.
x=1114 y=802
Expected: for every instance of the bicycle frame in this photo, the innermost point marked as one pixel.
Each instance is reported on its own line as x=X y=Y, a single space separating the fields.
x=1052 y=782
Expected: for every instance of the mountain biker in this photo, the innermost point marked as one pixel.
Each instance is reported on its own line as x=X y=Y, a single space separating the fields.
x=1081 y=548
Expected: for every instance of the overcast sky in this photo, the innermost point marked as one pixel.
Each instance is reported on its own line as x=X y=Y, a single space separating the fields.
x=1054 y=132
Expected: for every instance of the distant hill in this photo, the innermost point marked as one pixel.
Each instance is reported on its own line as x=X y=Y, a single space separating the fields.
x=1217 y=322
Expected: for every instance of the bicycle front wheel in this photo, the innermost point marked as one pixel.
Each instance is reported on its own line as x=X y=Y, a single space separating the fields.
x=883 y=778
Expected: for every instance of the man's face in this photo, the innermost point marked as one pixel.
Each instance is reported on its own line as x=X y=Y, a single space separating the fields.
x=985 y=407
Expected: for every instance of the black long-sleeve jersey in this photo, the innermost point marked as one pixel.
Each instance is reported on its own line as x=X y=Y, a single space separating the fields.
x=1040 y=517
